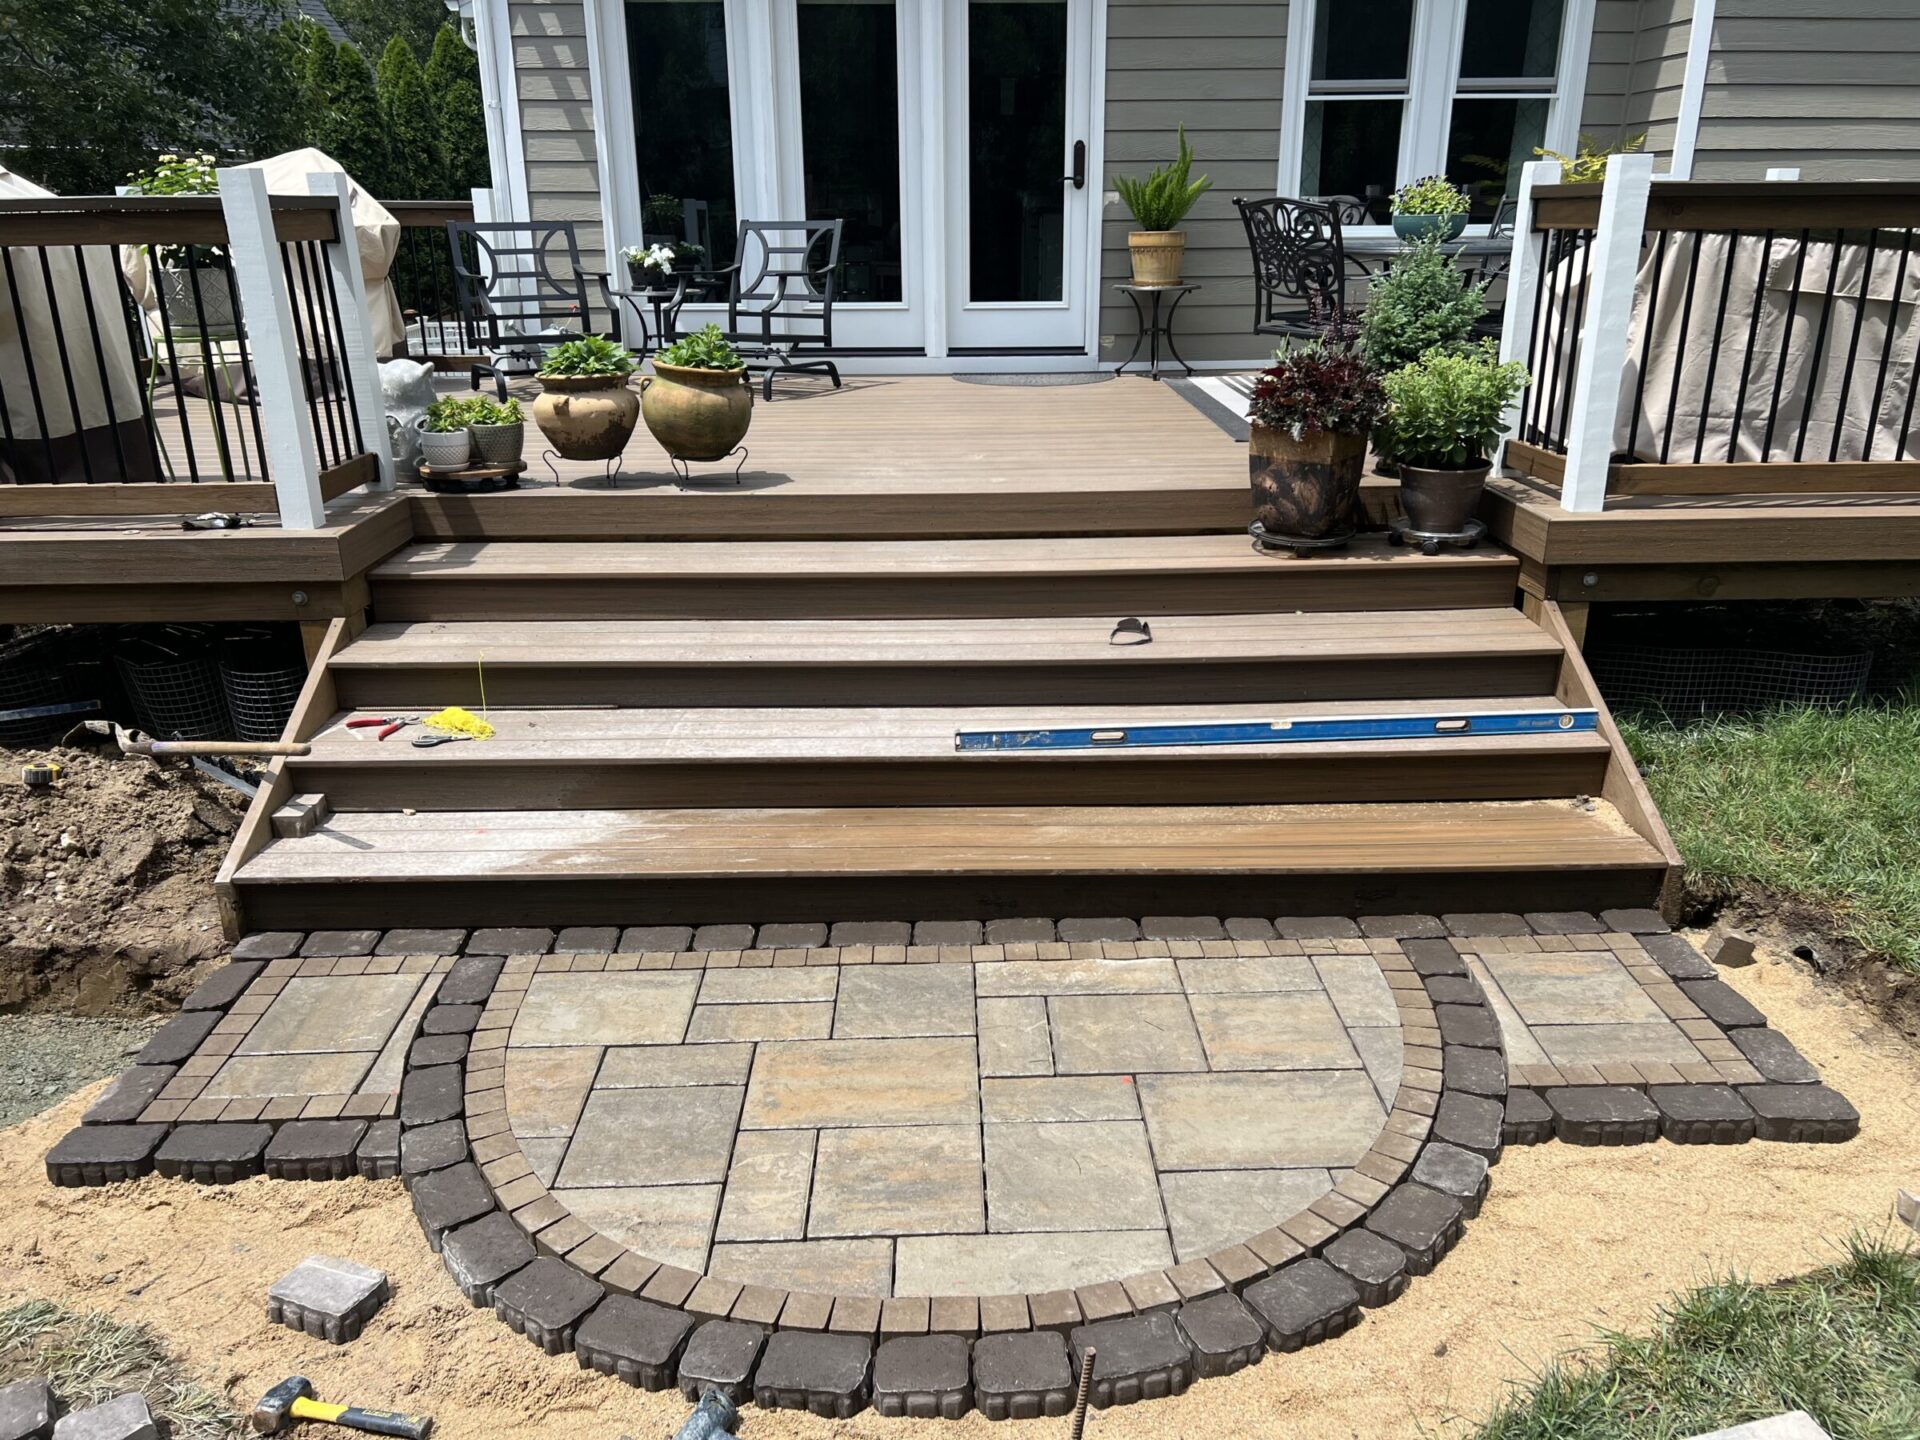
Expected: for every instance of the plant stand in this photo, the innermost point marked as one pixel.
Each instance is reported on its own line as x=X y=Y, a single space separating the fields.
x=681 y=467
x=1267 y=543
x=473 y=479
x=1400 y=531
x=1154 y=326
x=608 y=475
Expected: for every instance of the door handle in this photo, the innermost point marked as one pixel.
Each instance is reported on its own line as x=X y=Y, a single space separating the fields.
x=1079 y=175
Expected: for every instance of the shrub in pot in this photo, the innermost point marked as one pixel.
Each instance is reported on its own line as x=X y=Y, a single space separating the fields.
x=585 y=408
x=698 y=402
x=445 y=442
x=194 y=282
x=1159 y=203
x=1433 y=206
x=499 y=431
x=1423 y=300
x=1310 y=414
x=1444 y=417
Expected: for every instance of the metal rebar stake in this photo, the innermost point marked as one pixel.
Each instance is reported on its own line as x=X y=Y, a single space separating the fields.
x=1086 y=1393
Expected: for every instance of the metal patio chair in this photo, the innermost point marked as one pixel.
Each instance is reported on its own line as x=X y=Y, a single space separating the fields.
x=779 y=295
x=1351 y=209
x=1298 y=261
x=521 y=289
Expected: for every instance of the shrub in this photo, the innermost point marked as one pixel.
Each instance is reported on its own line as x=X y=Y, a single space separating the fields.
x=1420 y=302
x=486 y=412
x=589 y=355
x=1162 y=200
x=1321 y=387
x=1432 y=195
x=705 y=349
x=1444 y=410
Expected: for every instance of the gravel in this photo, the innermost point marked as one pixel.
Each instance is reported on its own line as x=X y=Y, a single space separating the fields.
x=44 y=1058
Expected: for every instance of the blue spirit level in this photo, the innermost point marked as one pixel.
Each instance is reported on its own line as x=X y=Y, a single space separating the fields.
x=1305 y=730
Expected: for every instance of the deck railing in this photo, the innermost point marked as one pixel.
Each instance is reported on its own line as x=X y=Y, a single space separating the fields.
x=1714 y=339
x=174 y=355
x=423 y=280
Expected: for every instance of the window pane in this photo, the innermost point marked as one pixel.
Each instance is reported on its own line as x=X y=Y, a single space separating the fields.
x=1489 y=142
x=1509 y=38
x=1352 y=147
x=682 y=122
x=1362 y=41
x=1017 y=118
x=850 y=137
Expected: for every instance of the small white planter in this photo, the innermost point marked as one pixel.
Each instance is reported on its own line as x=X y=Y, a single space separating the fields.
x=449 y=451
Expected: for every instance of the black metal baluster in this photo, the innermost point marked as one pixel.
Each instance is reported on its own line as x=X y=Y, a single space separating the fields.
x=1753 y=339
x=66 y=365
x=1646 y=340
x=100 y=359
x=33 y=370
x=173 y=363
x=1713 y=353
x=1853 y=346
x=1680 y=347
x=1559 y=353
x=140 y=347
x=324 y=379
x=1838 y=243
x=1579 y=332
x=305 y=348
x=1786 y=345
x=1542 y=309
x=340 y=346
x=1886 y=347
x=212 y=371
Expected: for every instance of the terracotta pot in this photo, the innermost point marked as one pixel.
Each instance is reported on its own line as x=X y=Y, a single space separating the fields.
x=1307 y=489
x=1156 y=255
x=1440 y=502
x=586 y=417
x=696 y=414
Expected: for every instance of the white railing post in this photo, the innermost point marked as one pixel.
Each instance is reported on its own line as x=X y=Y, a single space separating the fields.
x=356 y=325
x=1523 y=284
x=1611 y=275
x=292 y=459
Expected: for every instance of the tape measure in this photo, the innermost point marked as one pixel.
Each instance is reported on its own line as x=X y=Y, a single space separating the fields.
x=40 y=775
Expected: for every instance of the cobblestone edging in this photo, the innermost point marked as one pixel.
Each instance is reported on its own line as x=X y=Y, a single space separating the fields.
x=509 y=1244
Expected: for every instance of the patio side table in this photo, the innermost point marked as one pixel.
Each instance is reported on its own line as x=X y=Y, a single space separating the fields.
x=1156 y=323
x=665 y=305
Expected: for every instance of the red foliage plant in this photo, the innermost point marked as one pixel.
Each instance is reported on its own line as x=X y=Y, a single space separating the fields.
x=1320 y=387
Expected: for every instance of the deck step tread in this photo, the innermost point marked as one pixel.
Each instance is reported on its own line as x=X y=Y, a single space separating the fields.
x=561 y=845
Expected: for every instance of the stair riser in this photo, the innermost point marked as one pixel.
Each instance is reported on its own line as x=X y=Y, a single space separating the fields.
x=1450 y=677
x=1220 y=779
x=781 y=597
x=560 y=900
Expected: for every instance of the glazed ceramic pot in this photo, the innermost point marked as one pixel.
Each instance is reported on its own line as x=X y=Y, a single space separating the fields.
x=586 y=417
x=1306 y=489
x=1418 y=227
x=1440 y=502
x=448 y=450
x=498 y=444
x=1156 y=255
x=696 y=414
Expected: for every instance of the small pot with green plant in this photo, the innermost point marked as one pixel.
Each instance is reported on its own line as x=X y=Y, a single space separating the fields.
x=445 y=441
x=499 y=431
x=1310 y=415
x=193 y=282
x=586 y=409
x=698 y=402
x=1444 y=417
x=1430 y=206
x=1159 y=203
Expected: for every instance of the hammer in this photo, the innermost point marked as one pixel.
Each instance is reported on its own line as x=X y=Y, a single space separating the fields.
x=292 y=1399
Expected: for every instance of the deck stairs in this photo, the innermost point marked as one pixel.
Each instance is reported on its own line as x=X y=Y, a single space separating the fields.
x=763 y=731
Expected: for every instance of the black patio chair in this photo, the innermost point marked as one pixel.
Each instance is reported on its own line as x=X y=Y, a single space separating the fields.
x=521 y=290
x=1298 y=260
x=779 y=294
x=1351 y=209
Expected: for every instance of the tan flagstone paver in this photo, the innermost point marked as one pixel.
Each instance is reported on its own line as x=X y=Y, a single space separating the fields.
x=1383 y=1053
x=391 y=1065
x=654 y=1137
x=1061 y=1097
x=640 y=1008
x=1515 y=1038
x=1359 y=991
x=668 y=1223
x=1228 y=975
x=1260 y=1121
x=646 y=1066
x=1123 y=1034
x=1657 y=1040
x=836 y=1267
x=890 y=1180
x=1009 y=1264
x=745 y=987
x=335 y=1014
x=1572 y=988
x=547 y=1088
x=258 y=1075
x=880 y=1002
x=1014 y=1038
x=1078 y=977
x=1071 y=1175
x=1208 y=1210
x=767 y=1186
x=811 y=1085
x=760 y=1022
x=1287 y=1031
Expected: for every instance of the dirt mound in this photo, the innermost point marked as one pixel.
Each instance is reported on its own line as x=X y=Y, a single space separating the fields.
x=106 y=882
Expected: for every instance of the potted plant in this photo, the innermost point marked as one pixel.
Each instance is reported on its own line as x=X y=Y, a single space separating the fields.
x=1422 y=300
x=194 y=282
x=649 y=267
x=1158 y=203
x=499 y=431
x=1431 y=206
x=1310 y=415
x=445 y=443
x=698 y=402
x=585 y=409
x=1588 y=165
x=1444 y=417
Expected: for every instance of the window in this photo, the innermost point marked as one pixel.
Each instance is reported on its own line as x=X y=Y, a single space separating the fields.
x=1396 y=89
x=850 y=133
x=683 y=122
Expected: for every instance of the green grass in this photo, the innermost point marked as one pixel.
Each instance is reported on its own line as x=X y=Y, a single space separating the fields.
x=1842 y=1343
x=1817 y=805
x=90 y=1358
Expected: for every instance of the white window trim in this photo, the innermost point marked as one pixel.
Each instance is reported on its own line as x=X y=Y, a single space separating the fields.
x=1433 y=64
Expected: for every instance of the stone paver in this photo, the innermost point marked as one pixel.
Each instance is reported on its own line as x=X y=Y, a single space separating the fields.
x=843 y=1267
x=647 y=1066
x=1015 y=1037
x=1209 y=1210
x=668 y=1223
x=1255 y=1121
x=1004 y=1264
x=721 y=1023
x=654 y=1137
x=547 y=1088
x=889 y=1180
x=1571 y=988
x=797 y=1085
x=1273 y=1032
x=332 y=1014
x=883 y=1002
x=1060 y=1097
x=601 y=1009
x=1092 y=1175
x=1124 y=1034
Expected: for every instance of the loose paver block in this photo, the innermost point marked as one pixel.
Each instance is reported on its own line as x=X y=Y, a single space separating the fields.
x=1478 y=1072
x=635 y=1340
x=510 y=940
x=1906 y=1205
x=176 y=1040
x=1023 y=1374
x=545 y=1302
x=1702 y=1114
x=450 y=1197
x=1677 y=957
x=826 y=1374
x=1223 y=1335
x=1603 y=1115
x=720 y=1355
x=1729 y=947
x=379 y=1153
x=213 y=1154
x=427 y=1148
x=315 y=1150
x=433 y=1094
x=1722 y=1004
x=1529 y=1119
x=482 y=1253
x=1801 y=1114
x=922 y=1377
x=1473 y=1122
x=127 y=1098
x=1377 y=1266
x=1304 y=1303
x=1140 y=1357
x=1454 y=1171
x=1774 y=1056
x=224 y=986
x=125 y=1417
x=26 y=1410
x=1424 y=1223
x=328 y=1298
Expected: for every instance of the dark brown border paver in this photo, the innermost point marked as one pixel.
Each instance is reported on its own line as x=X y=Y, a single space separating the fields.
x=1402 y=927
x=1602 y=1115
x=101 y=1154
x=721 y=1355
x=1774 y=1056
x=1563 y=922
x=1801 y=1114
x=510 y=940
x=1022 y=1375
x=1141 y=1357
x=1376 y=1266
x=224 y=986
x=127 y=1098
x=1223 y=1335
x=175 y=1041
x=482 y=1253
x=315 y=1150
x=270 y=945
x=1677 y=957
x=633 y=1340
x=1454 y=1171
x=1529 y=1119
x=339 y=943
x=470 y=981
x=1475 y=923
x=1423 y=1222
x=450 y=1197
x=426 y=1148
x=1702 y=1114
x=1722 y=1004
x=1304 y=1303
x=1473 y=1122
x=922 y=1377
x=213 y=1154
x=378 y=1155
x=822 y=1373
x=546 y=1302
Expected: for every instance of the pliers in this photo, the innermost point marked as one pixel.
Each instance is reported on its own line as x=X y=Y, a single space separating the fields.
x=387 y=723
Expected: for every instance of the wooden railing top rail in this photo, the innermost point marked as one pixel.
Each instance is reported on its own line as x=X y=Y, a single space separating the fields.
x=150 y=220
x=415 y=214
x=1754 y=206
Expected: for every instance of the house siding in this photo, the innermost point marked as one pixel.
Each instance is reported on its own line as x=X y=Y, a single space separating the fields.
x=1825 y=85
x=556 y=119
x=1636 y=71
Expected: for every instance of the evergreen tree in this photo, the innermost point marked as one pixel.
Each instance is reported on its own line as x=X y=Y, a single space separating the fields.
x=372 y=23
x=453 y=79
x=348 y=124
x=413 y=126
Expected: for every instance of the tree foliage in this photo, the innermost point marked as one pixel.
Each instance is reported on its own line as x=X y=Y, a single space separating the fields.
x=374 y=24
x=346 y=121
x=453 y=78
x=418 y=155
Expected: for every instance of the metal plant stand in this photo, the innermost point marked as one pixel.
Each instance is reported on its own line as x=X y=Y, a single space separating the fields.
x=1154 y=325
x=1271 y=543
x=1400 y=531
x=681 y=467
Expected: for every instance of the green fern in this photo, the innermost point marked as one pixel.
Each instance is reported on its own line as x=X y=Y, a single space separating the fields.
x=1162 y=200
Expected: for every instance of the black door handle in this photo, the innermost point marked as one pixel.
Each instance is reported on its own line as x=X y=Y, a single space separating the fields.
x=1079 y=175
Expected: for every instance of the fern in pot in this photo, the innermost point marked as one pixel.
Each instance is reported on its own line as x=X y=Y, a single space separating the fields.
x=1445 y=414
x=1159 y=203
